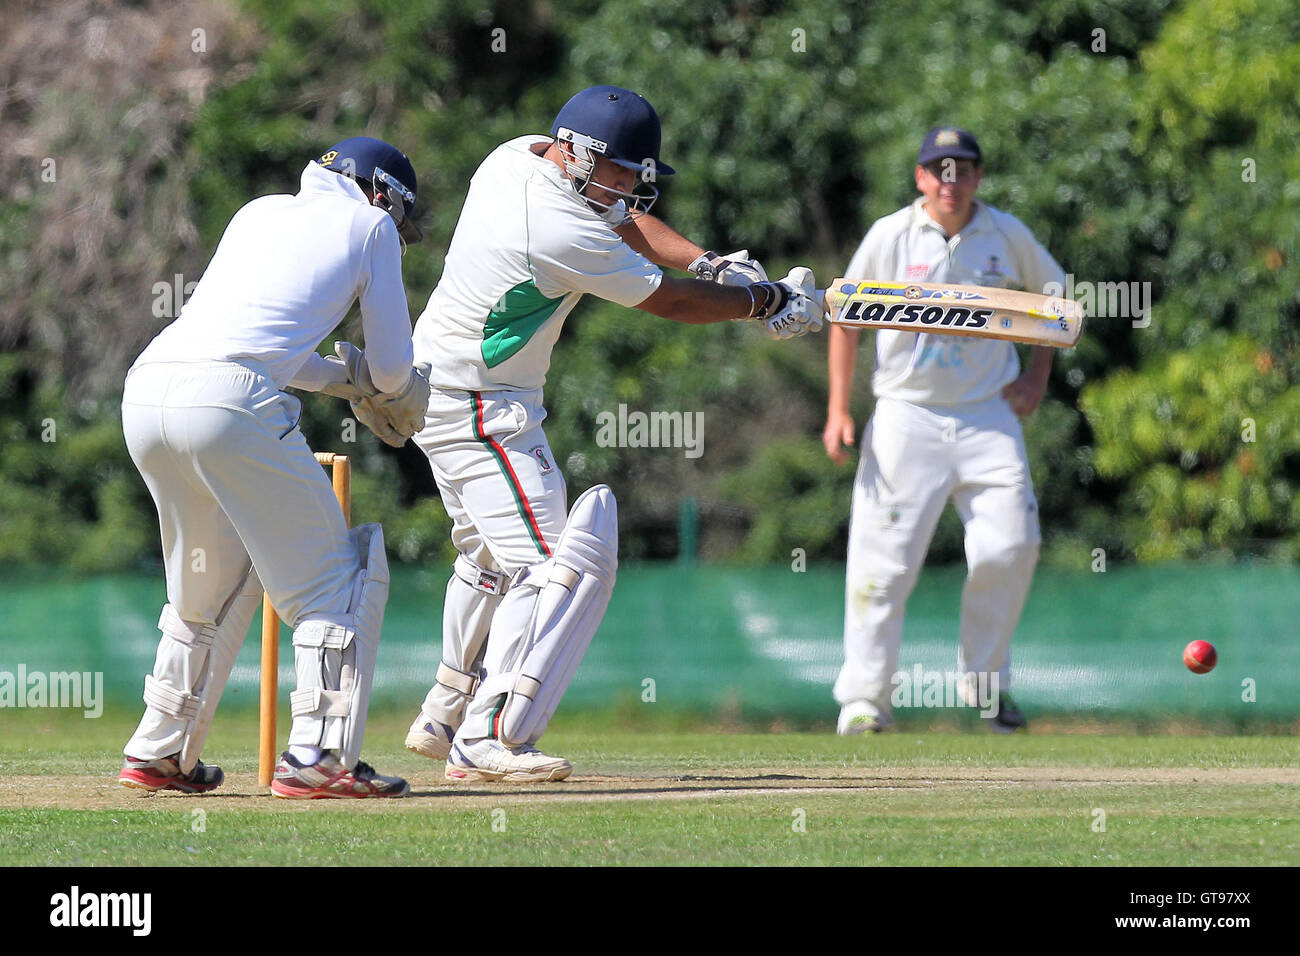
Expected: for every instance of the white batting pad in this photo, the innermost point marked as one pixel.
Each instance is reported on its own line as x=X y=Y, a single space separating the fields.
x=473 y=595
x=572 y=590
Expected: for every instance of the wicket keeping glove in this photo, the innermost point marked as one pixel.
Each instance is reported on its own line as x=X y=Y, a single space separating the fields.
x=403 y=412
x=366 y=413
x=393 y=417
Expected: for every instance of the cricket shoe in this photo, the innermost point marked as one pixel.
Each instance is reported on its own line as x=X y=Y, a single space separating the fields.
x=328 y=778
x=858 y=717
x=1008 y=719
x=164 y=773
x=430 y=737
x=489 y=760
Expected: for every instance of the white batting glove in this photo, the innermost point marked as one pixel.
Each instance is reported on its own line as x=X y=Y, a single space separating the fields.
x=616 y=215
x=788 y=308
x=735 y=268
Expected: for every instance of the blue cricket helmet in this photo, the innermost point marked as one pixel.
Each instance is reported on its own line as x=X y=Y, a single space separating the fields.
x=621 y=125
x=389 y=173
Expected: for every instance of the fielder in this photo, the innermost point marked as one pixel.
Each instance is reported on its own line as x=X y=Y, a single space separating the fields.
x=944 y=427
x=547 y=220
x=241 y=501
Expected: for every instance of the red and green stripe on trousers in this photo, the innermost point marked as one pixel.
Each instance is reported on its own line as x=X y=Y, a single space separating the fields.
x=522 y=504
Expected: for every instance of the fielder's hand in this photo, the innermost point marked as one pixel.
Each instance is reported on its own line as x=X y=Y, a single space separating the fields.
x=735 y=268
x=788 y=308
x=838 y=434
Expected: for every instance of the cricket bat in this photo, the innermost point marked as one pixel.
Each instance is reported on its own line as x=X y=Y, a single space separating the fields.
x=955 y=310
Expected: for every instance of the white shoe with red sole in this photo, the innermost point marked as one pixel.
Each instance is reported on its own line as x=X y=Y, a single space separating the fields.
x=164 y=773
x=328 y=778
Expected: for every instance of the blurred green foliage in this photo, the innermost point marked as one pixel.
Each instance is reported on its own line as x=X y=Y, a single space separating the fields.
x=1208 y=441
x=1149 y=142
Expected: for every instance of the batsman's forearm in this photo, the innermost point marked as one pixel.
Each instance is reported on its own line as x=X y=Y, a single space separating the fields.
x=697 y=303
x=842 y=350
x=659 y=243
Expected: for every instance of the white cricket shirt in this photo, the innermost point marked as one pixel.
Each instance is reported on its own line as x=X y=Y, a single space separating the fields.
x=526 y=248
x=995 y=249
x=283 y=277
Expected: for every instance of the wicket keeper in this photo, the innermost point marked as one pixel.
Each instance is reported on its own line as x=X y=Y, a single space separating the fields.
x=242 y=503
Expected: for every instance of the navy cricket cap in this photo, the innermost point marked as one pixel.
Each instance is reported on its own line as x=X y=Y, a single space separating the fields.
x=948 y=142
x=623 y=121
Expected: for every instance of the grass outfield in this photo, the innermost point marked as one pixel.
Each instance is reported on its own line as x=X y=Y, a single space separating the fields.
x=678 y=797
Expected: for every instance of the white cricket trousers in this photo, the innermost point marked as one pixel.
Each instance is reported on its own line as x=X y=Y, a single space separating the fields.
x=914 y=459
x=219 y=448
x=507 y=501
x=497 y=477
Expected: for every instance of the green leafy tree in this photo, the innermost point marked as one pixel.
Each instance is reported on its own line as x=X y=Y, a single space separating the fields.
x=1159 y=152
x=1207 y=442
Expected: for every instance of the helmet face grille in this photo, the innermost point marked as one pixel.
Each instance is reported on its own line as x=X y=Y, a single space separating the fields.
x=581 y=139
x=580 y=164
x=393 y=187
x=579 y=161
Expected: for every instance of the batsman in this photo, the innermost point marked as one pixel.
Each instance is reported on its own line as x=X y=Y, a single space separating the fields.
x=547 y=220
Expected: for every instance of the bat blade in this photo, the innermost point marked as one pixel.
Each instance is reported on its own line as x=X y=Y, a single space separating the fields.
x=945 y=309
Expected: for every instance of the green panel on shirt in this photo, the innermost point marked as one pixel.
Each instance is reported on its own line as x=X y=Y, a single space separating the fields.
x=514 y=320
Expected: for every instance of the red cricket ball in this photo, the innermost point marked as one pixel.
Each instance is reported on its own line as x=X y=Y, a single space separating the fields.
x=1200 y=657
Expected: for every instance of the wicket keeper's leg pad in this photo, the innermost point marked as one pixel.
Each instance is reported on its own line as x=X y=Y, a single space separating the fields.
x=335 y=658
x=191 y=669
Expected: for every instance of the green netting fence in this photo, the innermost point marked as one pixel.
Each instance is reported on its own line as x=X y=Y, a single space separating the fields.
x=764 y=642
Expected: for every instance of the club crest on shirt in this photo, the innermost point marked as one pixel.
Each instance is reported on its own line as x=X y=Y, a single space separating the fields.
x=992 y=274
x=543 y=459
x=918 y=272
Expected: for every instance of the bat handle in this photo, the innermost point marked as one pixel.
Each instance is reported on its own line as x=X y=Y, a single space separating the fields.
x=829 y=300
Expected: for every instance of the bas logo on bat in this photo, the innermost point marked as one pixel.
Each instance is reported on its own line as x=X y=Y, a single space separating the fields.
x=955 y=316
